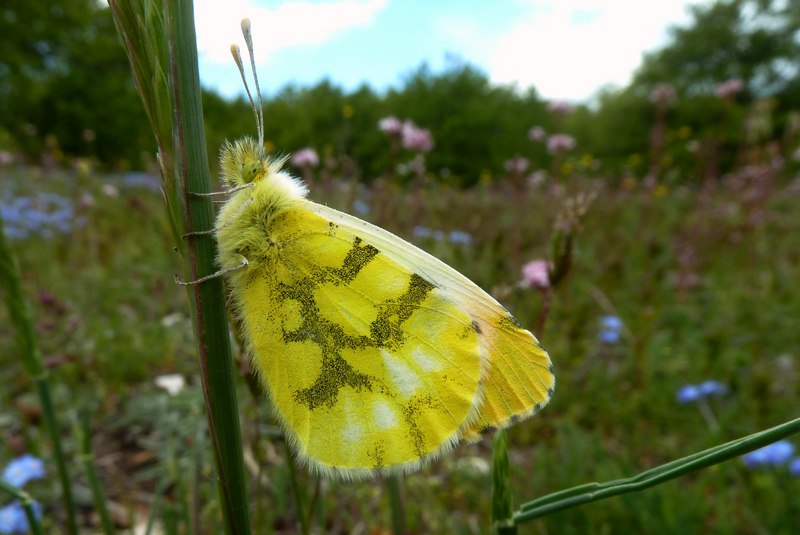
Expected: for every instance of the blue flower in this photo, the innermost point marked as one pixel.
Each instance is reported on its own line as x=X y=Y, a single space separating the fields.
x=712 y=388
x=23 y=469
x=138 y=179
x=706 y=389
x=608 y=337
x=611 y=328
x=422 y=232
x=612 y=323
x=360 y=207
x=688 y=394
x=794 y=467
x=459 y=237
x=773 y=454
x=13 y=519
x=45 y=215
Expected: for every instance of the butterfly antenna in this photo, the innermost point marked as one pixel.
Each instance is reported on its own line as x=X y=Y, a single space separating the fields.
x=248 y=38
x=237 y=57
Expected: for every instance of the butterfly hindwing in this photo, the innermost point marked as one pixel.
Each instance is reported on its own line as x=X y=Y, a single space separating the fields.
x=369 y=364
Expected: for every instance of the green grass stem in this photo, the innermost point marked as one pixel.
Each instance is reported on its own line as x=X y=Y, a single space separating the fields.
x=160 y=40
x=397 y=504
x=19 y=312
x=83 y=432
x=592 y=492
x=502 y=505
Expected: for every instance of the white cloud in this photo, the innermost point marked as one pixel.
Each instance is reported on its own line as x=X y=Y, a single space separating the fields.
x=285 y=25
x=569 y=48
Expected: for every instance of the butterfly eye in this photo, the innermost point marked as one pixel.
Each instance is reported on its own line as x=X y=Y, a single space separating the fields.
x=250 y=170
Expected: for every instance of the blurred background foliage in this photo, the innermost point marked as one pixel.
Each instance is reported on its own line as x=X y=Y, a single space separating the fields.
x=66 y=90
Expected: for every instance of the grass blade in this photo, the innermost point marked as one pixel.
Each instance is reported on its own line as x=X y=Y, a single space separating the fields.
x=19 y=312
x=593 y=492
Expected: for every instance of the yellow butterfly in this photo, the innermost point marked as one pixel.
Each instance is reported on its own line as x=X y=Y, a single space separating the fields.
x=376 y=356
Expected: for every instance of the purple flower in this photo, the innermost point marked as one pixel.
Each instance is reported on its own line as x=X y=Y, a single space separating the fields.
x=391 y=126
x=558 y=143
x=13 y=519
x=23 y=469
x=306 y=157
x=517 y=165
x=537 y=133
x=729 y=88
x=415 y=138
x=560 y=107
x=774 y=454
x=536 y=274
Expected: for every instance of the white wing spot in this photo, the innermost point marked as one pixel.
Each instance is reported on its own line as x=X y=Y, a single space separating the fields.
x=425 y=361
x=385 y=417
x=352 y=433
x=403 y=377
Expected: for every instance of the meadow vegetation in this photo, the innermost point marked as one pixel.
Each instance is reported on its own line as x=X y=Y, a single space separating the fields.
x=667 y=221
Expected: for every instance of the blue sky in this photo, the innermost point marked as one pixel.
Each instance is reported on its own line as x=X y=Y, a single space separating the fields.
x=567 y=49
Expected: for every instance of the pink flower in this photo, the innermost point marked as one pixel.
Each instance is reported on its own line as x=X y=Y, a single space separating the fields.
x=536 y=274
x=536 y=133
x=517 y=165
x=560 y=107
x=558 y=143
x=663 y=95
x=416 y=139
x=729 y=88
x=305 y=158
x=391 y=126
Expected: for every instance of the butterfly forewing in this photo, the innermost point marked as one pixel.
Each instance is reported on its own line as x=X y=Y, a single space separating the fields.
x=370 y=365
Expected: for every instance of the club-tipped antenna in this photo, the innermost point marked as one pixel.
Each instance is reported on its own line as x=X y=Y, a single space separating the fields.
x=258 y=111
x=237 y=57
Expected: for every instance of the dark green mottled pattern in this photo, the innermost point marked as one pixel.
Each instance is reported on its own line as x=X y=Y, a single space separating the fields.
x=385 y=332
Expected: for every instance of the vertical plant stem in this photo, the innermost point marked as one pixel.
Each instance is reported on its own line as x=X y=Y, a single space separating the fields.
x=397 y=504
x=299 y=499
x=502 y=506
x=84 y=437
x=161 y=486
x=209 y=310
x=19 y=312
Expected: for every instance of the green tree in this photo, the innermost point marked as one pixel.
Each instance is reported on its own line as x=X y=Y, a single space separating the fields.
x=757 y=41
x=63 y=76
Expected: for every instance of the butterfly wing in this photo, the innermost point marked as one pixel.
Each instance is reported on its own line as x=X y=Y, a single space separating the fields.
x=517 y=378
x=370 y=365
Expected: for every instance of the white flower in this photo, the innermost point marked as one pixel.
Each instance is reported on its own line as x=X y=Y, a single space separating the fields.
x=172 y=383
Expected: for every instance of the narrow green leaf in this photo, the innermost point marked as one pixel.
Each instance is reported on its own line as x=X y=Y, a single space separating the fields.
x=593 y=492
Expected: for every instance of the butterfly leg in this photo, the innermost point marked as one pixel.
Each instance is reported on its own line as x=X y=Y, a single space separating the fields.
x=214 y=230
x=223 y=192
x=214 y=275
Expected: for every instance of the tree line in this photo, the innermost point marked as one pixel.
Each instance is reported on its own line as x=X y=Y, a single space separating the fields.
x=65 y=88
